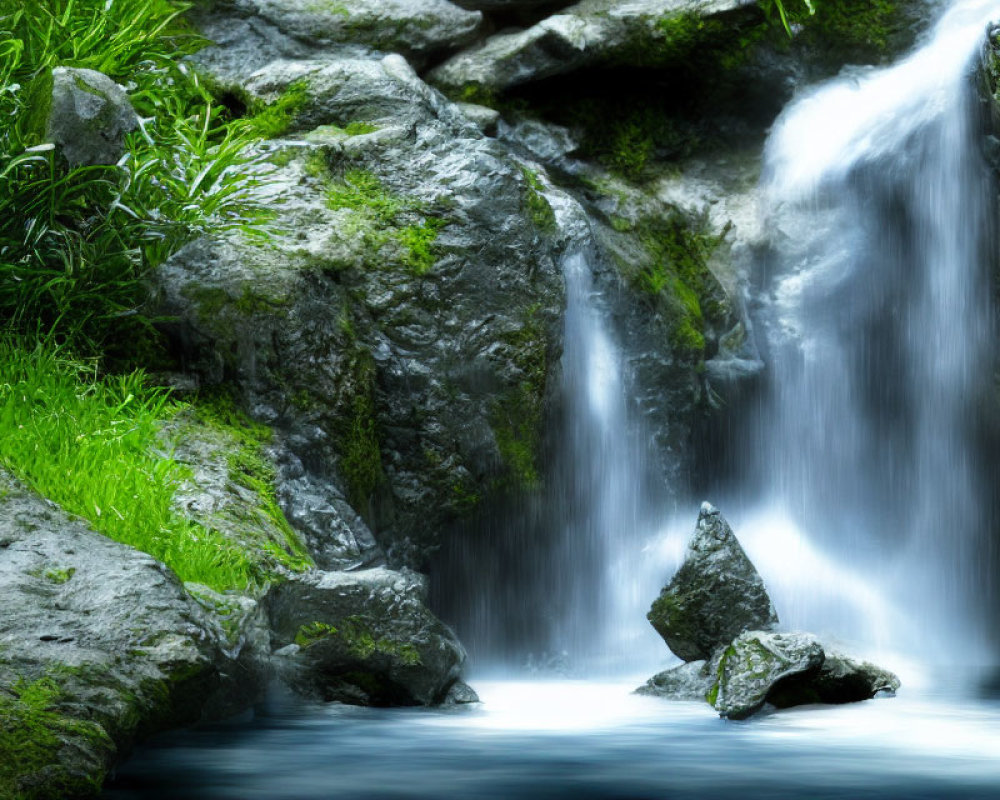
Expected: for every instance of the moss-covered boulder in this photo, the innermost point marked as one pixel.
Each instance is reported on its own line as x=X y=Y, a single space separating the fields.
x=99 y=645
x=363 y=637
x=400 y=325
x=714 y=596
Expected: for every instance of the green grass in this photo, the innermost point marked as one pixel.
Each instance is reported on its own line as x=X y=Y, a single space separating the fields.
x=76 y=244
x=93 y=445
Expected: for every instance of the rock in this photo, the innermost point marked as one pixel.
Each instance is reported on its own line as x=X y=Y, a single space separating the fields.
x=714 y=596
x=403 y=337
x=840 y=680
x=690 y=681
x=754 y=663
x=366 y=638
x=460 y=694
x=99 y=646
x=482 y=117
x=84 y=113
x=588 y=34
x=414 y=28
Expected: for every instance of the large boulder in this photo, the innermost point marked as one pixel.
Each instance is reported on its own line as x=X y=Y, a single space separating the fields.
x=715 y=595
x=84 y=113
x=99 y=645
x=363 y=637
x=401 y=327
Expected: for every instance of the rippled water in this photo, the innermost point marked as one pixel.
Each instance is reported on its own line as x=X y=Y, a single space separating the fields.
x=576 y=739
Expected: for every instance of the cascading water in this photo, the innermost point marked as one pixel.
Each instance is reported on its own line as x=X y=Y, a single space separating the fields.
x=878 y=328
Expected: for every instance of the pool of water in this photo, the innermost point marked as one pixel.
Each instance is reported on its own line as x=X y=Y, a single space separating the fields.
x=579 y=739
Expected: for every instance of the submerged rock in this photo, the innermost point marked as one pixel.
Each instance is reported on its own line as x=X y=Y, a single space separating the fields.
x=84 y=113
x=714 y=596
x=365 y=638
x=690 y=681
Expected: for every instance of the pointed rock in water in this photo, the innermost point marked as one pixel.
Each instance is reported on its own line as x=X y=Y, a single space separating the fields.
x=714 y=596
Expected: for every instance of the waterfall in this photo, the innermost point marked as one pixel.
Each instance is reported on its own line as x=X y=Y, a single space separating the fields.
x=876 y=314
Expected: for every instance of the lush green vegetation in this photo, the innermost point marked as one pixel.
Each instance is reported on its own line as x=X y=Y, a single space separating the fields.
x=76 y=243
x=65 y=429
x=76 y=247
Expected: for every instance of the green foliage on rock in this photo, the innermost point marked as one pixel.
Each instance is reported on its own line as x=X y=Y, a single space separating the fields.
x=34 y=731
x=674 y=276
x=66 y=429
x=357 y=434
x=518 y=413
x=538 y=207
x=384 y=220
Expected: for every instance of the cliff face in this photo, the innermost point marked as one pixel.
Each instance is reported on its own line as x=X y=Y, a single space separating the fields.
x=378 y=356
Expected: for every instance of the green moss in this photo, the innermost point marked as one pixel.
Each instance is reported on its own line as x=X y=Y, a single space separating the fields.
x=357 y=437
x=250 y=469
x=382 y=218
x=418 y=243
x=474 y=92
x=538 y=207
x=359 y=128
x=363 y=643
x=313 y=632
x=676 y=279
x=271 y=120
x=35 y=738
x=60 y=576
x=517 y=414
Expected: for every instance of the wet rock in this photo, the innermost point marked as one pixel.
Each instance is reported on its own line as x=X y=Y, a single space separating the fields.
x=460 y=694
x=84 y=113
x=364 y=637
x=414 y=28
x=714 y=596
x=754 y=663
x=840 y=680
x=690 y=681
x=99 y=646
x=590 y=33
x=400 y=336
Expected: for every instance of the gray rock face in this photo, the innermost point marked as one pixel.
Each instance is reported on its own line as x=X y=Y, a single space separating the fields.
x=88 y=116
x=401 y=336
x=590 y=33
x=714 y=596
x=99 y=644
x=755 y=662
x=365 y=637
x=414 y=28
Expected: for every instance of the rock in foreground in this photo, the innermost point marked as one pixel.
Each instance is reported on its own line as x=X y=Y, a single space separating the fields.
x=365 y=638
x=715 y=595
